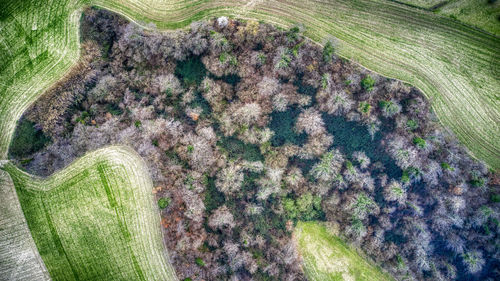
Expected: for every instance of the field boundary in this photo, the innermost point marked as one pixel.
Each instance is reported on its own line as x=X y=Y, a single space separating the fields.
x=20 y=259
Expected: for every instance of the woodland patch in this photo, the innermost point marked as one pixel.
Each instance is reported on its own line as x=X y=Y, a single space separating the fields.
x=247 y=129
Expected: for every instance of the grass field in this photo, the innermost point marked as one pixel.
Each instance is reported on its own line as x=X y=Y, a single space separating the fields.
x=19 y=258
x=456 y=66
x=478 y=13
x=327 y=257
x=96 y=219
x=426 y=4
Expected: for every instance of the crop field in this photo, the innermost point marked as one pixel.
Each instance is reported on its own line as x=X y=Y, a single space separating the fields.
x=19 y=258
x=327 y=257
x=96 y=219
x=456 y=66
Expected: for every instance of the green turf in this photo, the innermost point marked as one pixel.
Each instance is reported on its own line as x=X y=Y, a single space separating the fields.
x=96 y=219
x=456 y=66
x=327 y=257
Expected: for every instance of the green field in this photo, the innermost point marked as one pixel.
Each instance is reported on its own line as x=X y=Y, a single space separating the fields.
x=478 y=13
x=96 y=219
x=327 y=257
x=456 y=66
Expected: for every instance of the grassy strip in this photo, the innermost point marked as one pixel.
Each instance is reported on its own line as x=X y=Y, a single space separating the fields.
x=327 y=257
x=19 y=258
x=96 y=219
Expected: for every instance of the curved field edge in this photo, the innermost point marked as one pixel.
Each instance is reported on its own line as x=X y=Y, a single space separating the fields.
x=39 y=43
x=454 y=65
x=96 y=219
x=327 y=257
x=19 y=258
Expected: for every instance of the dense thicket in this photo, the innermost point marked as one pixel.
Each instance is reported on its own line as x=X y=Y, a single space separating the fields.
x=247 y=129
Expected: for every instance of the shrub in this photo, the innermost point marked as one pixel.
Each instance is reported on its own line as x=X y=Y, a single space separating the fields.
x=305 y=207
x=420 y=142
x=364 y=107
x=328 y=51
x=447 y=166
x=328 y=167
x=473 y=261
x=495 y=198
x=282 y=124
x=395 y=192
x=357 y=228
x=295 y=50
x=293 y=33
x=389 y=108
x=361 y=158
x=199 y=261
x=284 y=60
x=137 y=123
x=476 y=179
x=325 y=80
x=290 y=207
x=164 y=202
x=261 y=58
x=213 y=198
x=411 y=125
x=367 y=83
x=363 y=205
